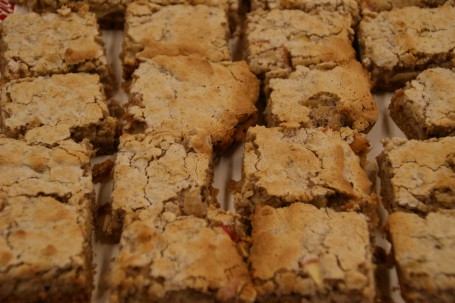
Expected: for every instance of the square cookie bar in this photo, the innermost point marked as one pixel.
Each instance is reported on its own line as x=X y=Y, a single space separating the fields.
x=425 y=107
x=276 y=41
x=418 y=176
x=51 y=109
x=387 y=5
x=162 y=170
x=333 y=98
x=186 y=92
x=316 y=166
x=396 y=45
x=424 y=255
x=152 y=30
x=45 y=251
x=301 y=253
x=34 y=45
x=46 y=200
x=350 y=7
x=184 y=259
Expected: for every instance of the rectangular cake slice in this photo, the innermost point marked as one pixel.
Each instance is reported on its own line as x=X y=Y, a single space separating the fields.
x=187 y=92
x=333 y=98
x=277 y=41
x=301 y=253
x=162 y=171
x=152 y=30
x=396 y=45
x=315 y=166
x=418 y=176
x=46 y=202
x=184 y=259
x=425 y=107
x=58 y=107
x=424 y=255
x=34 y=45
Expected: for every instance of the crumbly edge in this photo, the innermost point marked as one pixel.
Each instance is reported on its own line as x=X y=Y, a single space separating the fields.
x=246 y=205
x=409 y=292
x=112 y=221
x=385 y=79
x=386 y=174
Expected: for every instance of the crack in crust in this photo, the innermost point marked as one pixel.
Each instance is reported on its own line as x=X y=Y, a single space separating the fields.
x=277 y=41
x=316 y=166
x=316 y=255
x=185 y=259
x=423 y=252
x=163 y=171
x=396 y=45
x=418 y=176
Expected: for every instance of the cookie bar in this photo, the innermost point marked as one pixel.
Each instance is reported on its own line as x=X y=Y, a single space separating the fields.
x=417 y=176
x=46 y=200
x=387 y=5
x=110 y=14
x=34 y=45
x=186 y=92
x=424 y=255
x=165 y=171
x=276 y=41
x=55 y=108
x=152 y=30
x=301 y=253
x=425 y=107
x=187 y=259
x=333 y=98
x=315 y=166
x=396 y=45
x=350 y=7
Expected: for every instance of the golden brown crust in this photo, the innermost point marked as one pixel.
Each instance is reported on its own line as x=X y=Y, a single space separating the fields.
x=46 y=200
x=46 y=110
x=396 y=45
x=153 y=30
x=334 y=98
x=424 y=255
x=32 y=46
x=418 y=176
x=387 y=5
x=316 y=166
x=316 y=255
x=425 y=107
x=187 y=92
x=350 y=7
x=184 y=260
x=277 y=41
x=163 y=171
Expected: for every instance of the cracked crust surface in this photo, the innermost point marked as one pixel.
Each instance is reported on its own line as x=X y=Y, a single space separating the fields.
x=45 y=251
x=387 y=5
x=163 y=171
x=46 y=199
x=418 y=176
x=395 y=45
x=425 y=107
x=350 y=7
x=424 y=254
x=62 y=172
x=186 y=259
x=315 y=166
x=187 y=92
x=32 y=45
x=276 y=41
x=51 y=109
x=304 y=254
x=152 y=30
x=335 y=98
